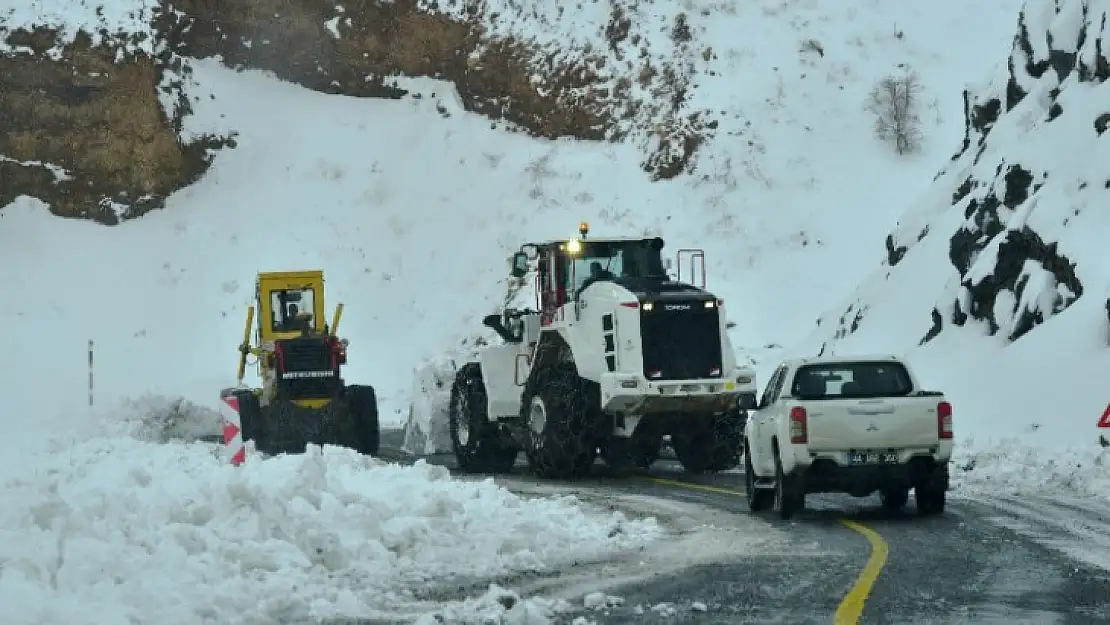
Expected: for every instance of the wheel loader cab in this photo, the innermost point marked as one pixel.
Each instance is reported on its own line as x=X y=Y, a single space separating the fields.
x=566 y=268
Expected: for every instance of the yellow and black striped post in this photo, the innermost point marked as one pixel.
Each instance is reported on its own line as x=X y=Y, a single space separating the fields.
x=90 y=373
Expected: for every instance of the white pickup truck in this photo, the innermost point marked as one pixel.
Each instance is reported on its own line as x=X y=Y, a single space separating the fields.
x=847 y=425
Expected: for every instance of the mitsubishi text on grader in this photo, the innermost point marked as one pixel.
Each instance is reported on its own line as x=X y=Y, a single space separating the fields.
x=303 y=398
x=617 y=356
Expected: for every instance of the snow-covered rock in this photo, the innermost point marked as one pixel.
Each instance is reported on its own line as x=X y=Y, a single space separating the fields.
x=997 y=280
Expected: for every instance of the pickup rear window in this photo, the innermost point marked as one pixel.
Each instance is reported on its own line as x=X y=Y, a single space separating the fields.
x=851 y=379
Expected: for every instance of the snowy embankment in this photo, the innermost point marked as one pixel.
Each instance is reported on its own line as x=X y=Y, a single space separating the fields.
x=132 y=530
x=997 y=283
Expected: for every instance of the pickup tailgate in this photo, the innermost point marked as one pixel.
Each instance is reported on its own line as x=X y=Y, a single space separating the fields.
x=844 y=423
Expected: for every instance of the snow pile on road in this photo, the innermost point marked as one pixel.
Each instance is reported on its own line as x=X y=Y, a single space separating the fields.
x=497 y=606
x=133 y=531
x=997 y=282
x=426 y=429
x=1013 y=467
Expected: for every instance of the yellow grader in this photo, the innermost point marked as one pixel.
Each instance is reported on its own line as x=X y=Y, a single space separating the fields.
x=303 y=399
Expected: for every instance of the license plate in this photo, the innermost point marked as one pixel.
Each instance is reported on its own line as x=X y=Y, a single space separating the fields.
x=873 y=457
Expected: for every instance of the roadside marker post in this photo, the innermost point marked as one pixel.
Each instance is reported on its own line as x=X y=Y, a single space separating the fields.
x=232 y=427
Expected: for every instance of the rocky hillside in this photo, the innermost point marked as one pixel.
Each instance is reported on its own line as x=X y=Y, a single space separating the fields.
x=91 y=102
x=1013 y=232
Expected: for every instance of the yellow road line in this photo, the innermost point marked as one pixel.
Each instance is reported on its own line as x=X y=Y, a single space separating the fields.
x=693 y=486
x=851 y=608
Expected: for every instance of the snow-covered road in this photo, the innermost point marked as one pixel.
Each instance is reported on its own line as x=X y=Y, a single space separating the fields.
x=991 y=559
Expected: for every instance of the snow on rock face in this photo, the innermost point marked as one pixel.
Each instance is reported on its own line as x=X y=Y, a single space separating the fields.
x=1027 y=170
x=133 y=531
x=601 y=71
x=996 y=281
x=75 y=70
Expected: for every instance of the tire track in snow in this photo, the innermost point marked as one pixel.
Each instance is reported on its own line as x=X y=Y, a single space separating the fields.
x=1078 y=528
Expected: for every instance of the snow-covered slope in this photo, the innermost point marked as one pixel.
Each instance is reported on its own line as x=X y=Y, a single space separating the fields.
x=412 y=213
x=998 y=277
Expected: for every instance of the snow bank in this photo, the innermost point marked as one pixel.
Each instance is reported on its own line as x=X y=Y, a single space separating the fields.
x=134 y=531
x=1012 y=467
x=427 y=428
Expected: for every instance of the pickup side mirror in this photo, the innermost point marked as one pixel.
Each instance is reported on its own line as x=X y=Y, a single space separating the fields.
x=520 y=265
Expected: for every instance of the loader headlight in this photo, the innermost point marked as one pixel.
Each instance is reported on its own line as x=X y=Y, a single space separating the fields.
x=711 y=304
x=574 y=246
x=648 y=306
x=743 y=379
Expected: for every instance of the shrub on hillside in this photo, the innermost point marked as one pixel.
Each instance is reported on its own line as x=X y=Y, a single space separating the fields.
x=896 y=103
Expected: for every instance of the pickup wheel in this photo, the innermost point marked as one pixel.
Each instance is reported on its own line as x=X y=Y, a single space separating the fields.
x=479 y=447
x=894 y=499
x=759 y=499
x=930 y=501
x=788 y=495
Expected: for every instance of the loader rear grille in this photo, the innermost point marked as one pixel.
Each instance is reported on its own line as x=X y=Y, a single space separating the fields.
x=307 y=369
x=681 y=341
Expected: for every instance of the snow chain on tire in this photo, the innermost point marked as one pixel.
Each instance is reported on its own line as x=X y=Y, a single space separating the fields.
x=485 y=450
x=567 y=446
x=707 y=443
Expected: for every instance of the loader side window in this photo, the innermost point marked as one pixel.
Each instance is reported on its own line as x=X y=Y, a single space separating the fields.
x=292 y=310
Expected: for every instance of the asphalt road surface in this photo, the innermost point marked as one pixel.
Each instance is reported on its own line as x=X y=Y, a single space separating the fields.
x=843 y=560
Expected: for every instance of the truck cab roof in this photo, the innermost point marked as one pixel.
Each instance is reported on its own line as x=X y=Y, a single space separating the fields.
x=796 y=362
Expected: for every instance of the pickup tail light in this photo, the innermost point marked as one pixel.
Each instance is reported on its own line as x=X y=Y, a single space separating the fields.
x=799 y=433
x=944 y=420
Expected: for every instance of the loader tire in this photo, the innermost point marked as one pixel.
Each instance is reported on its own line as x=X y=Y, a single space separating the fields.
x=556 y=410
x=709 y=443
x=630 y=454
x=480 y=447
x=363 y=402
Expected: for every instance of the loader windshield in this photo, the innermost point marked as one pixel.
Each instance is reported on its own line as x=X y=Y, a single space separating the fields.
x=291 y=310
x=609 y=260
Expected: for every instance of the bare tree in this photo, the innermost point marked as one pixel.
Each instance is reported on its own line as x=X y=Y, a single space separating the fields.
x=896 y=103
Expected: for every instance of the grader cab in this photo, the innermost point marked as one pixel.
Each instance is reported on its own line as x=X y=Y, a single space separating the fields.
x=303 y=398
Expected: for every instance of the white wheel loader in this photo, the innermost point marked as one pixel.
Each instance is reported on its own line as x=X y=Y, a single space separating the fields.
x=617 y=356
